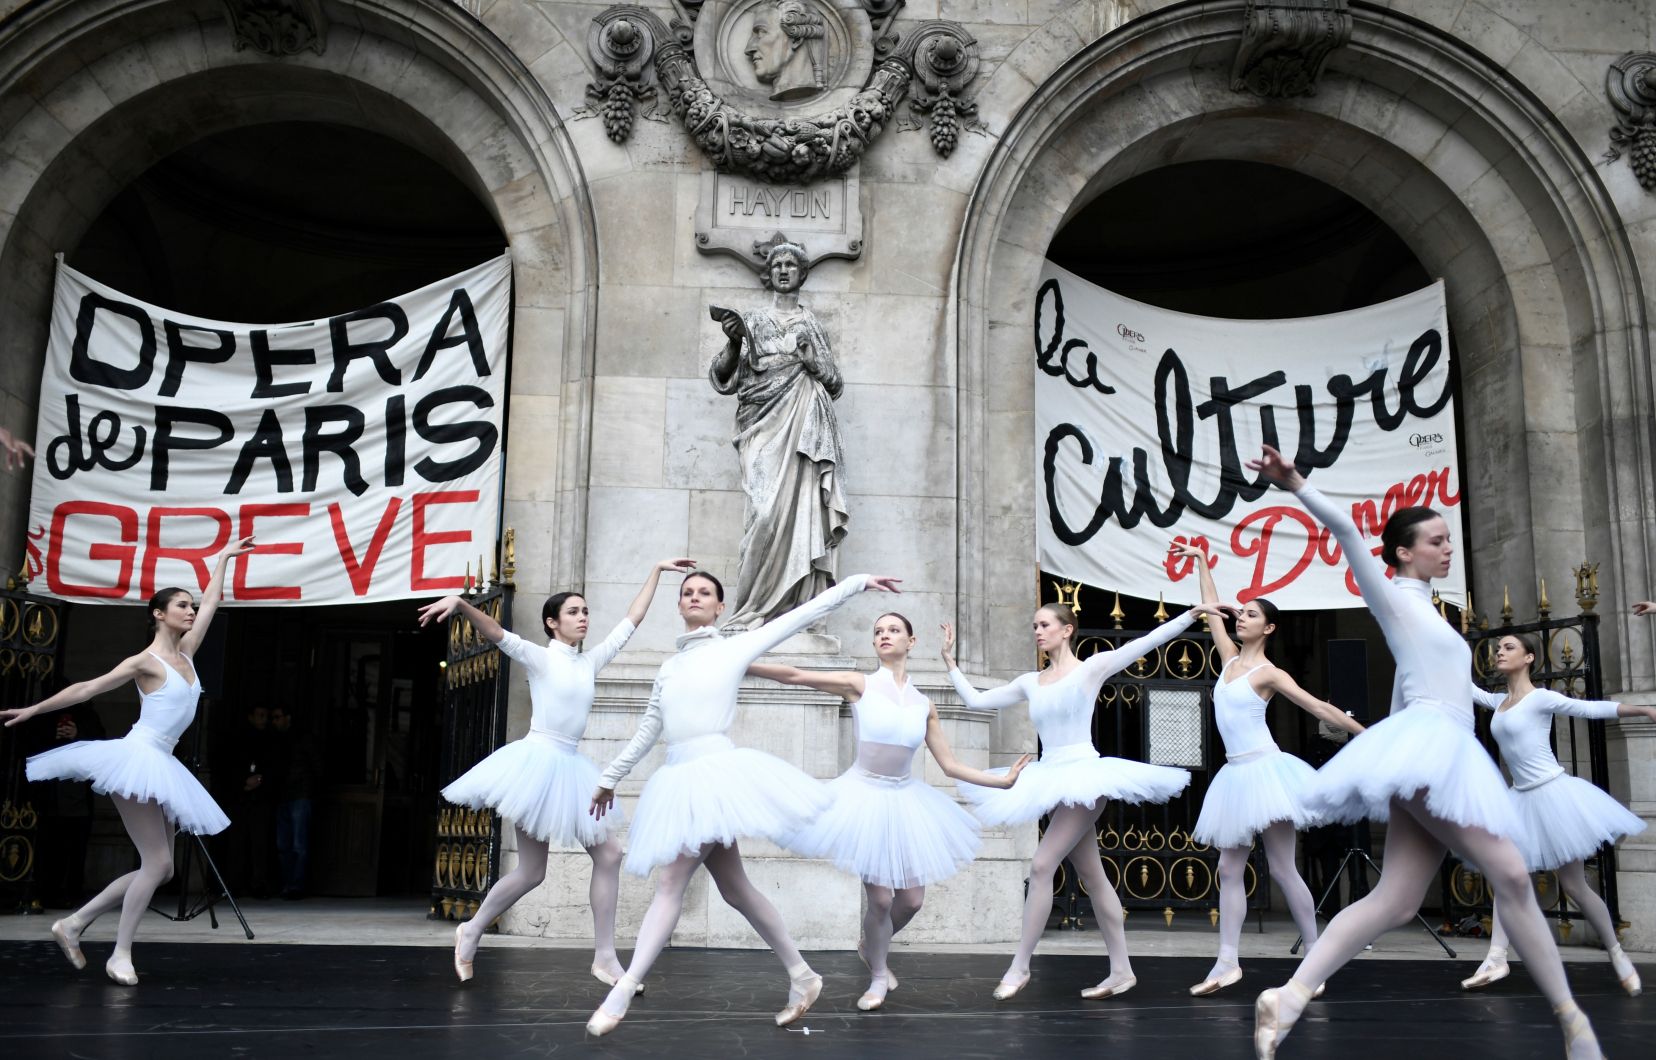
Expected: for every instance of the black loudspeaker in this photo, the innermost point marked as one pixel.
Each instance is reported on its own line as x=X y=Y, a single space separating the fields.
x=1348 y=676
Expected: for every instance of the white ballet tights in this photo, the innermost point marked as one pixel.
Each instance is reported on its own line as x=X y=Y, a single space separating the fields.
x=724 y=864
x=1415 y=844
x=146 y=825
x=1572 y=879
x=1071 y=832
x=1278 y=840
x=888 y=912
x=528 y=874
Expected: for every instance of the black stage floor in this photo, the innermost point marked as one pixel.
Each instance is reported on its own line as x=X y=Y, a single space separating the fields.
x=404 y=1003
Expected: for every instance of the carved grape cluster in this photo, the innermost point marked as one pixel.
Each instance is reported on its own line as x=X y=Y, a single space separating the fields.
x=618 y=110
x=945 y=129
x=1643 y=156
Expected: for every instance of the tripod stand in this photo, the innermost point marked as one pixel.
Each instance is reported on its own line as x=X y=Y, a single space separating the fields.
x=209 y=898
x=1350 y=863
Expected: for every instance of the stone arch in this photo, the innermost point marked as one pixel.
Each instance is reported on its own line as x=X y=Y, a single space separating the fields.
x=1472 y=171
x=94 y=92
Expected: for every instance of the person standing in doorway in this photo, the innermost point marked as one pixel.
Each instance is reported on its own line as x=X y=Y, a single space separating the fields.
x=299 y=761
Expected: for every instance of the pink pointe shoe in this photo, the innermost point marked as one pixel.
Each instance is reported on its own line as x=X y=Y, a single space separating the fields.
x=462 y=968
x=1212 y=986
x=67 y=936
x=609 y=980
x=802 y=994
x=602 y=1021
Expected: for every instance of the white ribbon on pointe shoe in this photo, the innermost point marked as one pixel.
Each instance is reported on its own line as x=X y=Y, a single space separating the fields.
x=121 y=970
x=1580 y=1043
x=609 y=980
x=603 y=1020
x=462 y=968
x=1626 y=974
x=875 y=995
x=1488 y=972
x=802 y=994
x=1111 y=987
x=67 y=936
x=891 y=980
x=1214 y=984
x=1009 y=987
x=1270 y=1026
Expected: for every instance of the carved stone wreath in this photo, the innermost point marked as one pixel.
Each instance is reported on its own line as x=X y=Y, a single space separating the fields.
x=937 y=61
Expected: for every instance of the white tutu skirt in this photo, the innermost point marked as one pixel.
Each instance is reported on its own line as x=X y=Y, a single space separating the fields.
x=1249 y=796
x=890 y=831
x=711 y=791
x=1072 y=775
x=138 y=766
x=544 y=786
x=1567 y=819
x=1418 y=749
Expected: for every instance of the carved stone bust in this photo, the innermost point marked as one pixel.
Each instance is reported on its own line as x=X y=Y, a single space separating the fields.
x=788 y=47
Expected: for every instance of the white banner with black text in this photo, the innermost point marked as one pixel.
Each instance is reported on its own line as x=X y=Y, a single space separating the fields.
x=363 y=451
x=1145 y=418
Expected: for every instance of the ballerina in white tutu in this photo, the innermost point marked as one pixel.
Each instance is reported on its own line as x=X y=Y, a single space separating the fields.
x=541 y=783
x=151 y=789
x=1070 y=783
x=1565 y=819
x=710 y=792
x=1260 y=790
x=1421 y=769
x=886 y=826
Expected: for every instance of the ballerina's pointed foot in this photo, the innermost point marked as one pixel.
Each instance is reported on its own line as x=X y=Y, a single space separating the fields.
x=1492 y=970
x=1010 y=984
x=614 y=1009
x=462 y=967
x=1275 y=1011
x=875 y=995
x=1114 y=986
x=891 y=980
x=802 y=994
x=1315 y=994
x=1580 y=1043
x=1626 y=974
x=1215 y=983
x=67 y=934
x=609 y=978
x=121 y=970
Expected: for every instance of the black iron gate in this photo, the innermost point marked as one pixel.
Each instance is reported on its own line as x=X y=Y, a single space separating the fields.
x=476 y=685
x=1570 y=665
x=1158 y=710
x=31 y=653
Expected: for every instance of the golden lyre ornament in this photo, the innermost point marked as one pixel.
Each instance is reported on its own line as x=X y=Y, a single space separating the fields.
x=1069 y=595
x=1586 y=586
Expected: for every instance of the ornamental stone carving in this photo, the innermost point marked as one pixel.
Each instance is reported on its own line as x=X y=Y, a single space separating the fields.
x=1285 y=44
x=278 y=27
x=786 y=91
x=1631 y=86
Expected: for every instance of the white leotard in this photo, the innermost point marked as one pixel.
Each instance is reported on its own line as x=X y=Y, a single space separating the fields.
x=891 y=724
x=1062 y=711
x=695 y=691
x=165 y=713
x=1434 y=664
x=1239 y=711
x=1523 y=731
x=563 y=681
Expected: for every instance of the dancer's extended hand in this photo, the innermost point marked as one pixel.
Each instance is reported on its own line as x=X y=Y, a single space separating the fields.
x=947 y=650
x=884 y=583
x=17 y=451
x=682 y=565
x=1219 y=611
x=1645 y=608
x=602 y=800
x=1017 y=767
x=1187 y=550
x=1274 y=466
x=439 y=610
x=18 y=715
x=239 y=548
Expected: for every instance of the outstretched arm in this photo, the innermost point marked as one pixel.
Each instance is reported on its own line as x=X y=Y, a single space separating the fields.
x=1486 y=699
x=1007 y=695
x=649 y=730
x=211 y=596
x=757 y=642
x=847 y=684
x=127 y=670
x=1210 y=595
x=440 y=610
x=1278 y=681
x=1599 y=709
x=1100 y=665
x=641 y=603
x=938 y=744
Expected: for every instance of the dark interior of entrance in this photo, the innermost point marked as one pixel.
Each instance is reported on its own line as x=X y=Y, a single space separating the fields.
x=1241 y=240
x=281 y=222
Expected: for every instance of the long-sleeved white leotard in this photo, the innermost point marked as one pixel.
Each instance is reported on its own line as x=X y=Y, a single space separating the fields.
x=1434 y=665
x=562 y=680
x=1062 y=711
x=1524 y=729
x=695 y=691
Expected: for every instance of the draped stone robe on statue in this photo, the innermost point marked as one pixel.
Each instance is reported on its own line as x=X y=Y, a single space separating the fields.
x=788 y=442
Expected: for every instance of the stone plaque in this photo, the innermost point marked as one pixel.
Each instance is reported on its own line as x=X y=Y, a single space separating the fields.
x=737 y=213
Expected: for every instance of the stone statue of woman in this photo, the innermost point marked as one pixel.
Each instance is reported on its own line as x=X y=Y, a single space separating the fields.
x=777 y=362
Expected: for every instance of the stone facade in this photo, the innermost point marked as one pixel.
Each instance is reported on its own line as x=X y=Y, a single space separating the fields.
x=1474 y=129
